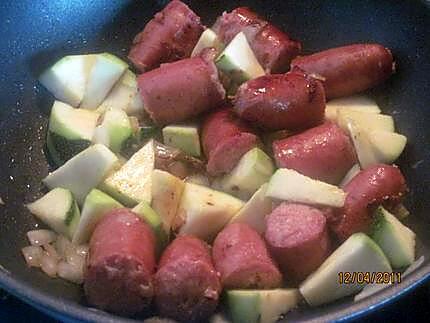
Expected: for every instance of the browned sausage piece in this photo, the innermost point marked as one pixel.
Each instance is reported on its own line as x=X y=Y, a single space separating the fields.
x=298 y=239
x=187 y=287
x=180 y=90
x=324 y=153
x=273 y=48
x=349 y=69
x=241 y=256
x=170 y=36
x=376 y=185
x=292 y=101
x=225 y=139
x=121 y=264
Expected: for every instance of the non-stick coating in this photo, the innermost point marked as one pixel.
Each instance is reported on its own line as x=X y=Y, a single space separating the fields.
x=35 y=33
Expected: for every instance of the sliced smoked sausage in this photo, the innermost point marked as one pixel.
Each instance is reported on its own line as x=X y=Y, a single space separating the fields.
x=241 y=257
x=373 y=186
x=298 y=239
x=180 y=90
x=121 y=264
x=324 y=153
x=225 y=139
x=170 y=36
x=187 y=287
x=348 y=69
x=292 y=101
x=273 y=48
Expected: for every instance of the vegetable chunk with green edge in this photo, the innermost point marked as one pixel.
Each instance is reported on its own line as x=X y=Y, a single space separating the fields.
x=395 y=239
x=260 y=306
x=57 y=209
x=96 y=205
x=70 y=131
x=154 y=221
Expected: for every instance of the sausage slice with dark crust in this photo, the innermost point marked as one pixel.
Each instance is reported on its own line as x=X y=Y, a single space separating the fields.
x=170 y=36
x=241 y=257
x=187 y=287
x=324 y=153
x=373 y=186
x=298 y=239
x=348 y=69
x=292 y=101
x=121 y=264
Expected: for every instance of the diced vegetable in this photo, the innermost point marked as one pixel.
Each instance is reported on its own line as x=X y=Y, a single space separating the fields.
x=166 y=195
x=114 y=130
x=395 y=239
x=32 y=255
x=360 y=103
x=260 y=306
x=132 y=183
x=253 y=170
x=96 y=205
x=183 y=137
x=289 y=185
x=238 y=60
x=67 y=78
x=365 y=153
x=105 y=71
x=387 y=146
x=70 y=131
x=155 y=222
x=358 y=255
x=365 y=120
x=203 y=212
x=207 y=39
x=124 y=96
x=350 y=175
x=58 y=209
x=255 y=210
x=41 y=237
x=83 y=172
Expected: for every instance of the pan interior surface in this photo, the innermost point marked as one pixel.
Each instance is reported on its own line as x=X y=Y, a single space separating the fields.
x=36 y=33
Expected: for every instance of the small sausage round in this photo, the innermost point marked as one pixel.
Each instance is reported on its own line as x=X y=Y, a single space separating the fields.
x=225 y=139
x=121 y=264
x=378 y=184
x=169 y=36
x=177 y=91
x=187 y=287
x=348 y=69
x=298 y=239
x=292 y=101
x=324 y=153
x=241 y=257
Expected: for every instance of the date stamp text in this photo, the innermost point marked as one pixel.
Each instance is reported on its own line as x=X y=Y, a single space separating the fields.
x=368 y=277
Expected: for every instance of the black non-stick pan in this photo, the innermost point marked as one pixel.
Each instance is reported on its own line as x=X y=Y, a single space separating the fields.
x=35 y=33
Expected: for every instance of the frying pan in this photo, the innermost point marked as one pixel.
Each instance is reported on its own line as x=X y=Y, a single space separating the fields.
x=36 y=33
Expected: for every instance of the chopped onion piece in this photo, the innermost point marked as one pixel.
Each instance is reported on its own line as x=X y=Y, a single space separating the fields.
x=41 y=237
x=82 y=250
x=70 y=272
x=76 y=260
x=62 y=245
x=51 y=252
x=49 y=265
x=32 y=255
